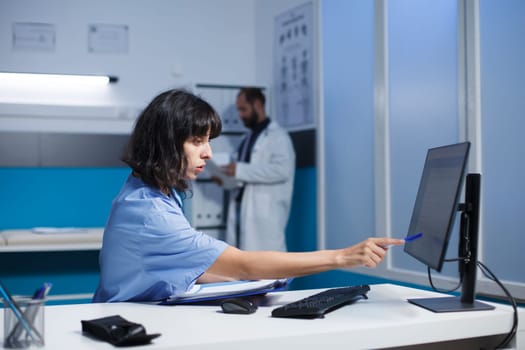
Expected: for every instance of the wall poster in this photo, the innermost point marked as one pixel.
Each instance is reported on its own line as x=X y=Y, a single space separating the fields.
x=293 y=68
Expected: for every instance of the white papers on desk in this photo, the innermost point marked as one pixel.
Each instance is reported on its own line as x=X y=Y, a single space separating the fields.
x=212 y=291
x=228 y=182
x=67 y=230
x=51 y=236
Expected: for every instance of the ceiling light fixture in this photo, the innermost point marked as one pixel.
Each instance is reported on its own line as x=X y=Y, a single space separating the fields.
x=8 y=78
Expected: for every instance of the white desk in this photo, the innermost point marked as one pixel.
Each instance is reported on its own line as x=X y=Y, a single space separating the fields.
x=386 y=319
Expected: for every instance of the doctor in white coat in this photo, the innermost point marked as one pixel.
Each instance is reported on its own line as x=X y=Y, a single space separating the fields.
x=259 y=208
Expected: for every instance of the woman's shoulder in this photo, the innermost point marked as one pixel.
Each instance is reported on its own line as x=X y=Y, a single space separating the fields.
x=137 y=192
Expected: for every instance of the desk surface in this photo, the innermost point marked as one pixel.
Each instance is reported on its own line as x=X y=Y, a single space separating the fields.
x=386 y=319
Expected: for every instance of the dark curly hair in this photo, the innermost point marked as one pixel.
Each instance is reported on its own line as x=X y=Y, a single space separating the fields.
x=252 y=94
x=155 y=149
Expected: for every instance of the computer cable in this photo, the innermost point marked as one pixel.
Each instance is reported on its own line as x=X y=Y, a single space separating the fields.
x=486 y=271
x=490 y=275
x=442 y=290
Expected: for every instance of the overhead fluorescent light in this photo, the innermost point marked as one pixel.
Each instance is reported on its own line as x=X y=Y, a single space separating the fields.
x=32 y=79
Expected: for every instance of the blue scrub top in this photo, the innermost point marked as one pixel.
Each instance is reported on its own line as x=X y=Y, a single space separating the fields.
x=149 y=250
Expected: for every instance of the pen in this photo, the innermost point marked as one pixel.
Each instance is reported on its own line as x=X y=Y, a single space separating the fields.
x=42 y=292
x=413 y=237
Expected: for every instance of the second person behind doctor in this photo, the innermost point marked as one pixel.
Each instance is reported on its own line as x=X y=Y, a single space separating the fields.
x=259 y=208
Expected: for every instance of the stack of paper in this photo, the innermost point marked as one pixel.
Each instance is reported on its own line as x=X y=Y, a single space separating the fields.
x=228 y=182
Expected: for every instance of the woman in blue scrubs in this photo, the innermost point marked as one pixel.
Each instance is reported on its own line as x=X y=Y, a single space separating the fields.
x=150 y=252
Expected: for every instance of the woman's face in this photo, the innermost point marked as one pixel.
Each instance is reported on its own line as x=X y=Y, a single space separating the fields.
x=196 y=149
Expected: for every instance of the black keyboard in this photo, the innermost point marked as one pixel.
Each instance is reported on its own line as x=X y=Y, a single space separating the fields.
x=317 y=305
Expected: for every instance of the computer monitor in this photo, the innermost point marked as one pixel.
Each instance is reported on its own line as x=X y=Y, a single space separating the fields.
x=434 y=214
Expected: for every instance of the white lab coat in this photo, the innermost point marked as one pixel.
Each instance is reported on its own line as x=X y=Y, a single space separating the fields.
x=268 y=179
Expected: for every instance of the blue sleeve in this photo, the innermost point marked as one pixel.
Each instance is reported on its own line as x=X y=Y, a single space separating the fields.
x=180 y=254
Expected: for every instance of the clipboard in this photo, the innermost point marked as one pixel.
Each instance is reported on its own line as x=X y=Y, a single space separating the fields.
x=222 y=290
x=228 y=182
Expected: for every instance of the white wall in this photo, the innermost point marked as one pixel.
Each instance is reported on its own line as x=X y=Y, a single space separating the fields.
x=171 y=43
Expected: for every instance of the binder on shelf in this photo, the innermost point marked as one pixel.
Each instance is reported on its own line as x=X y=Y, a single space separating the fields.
x=221 y=290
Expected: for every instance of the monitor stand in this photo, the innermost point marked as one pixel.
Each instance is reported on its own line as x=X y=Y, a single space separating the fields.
x=468 y=247
x=450 y=304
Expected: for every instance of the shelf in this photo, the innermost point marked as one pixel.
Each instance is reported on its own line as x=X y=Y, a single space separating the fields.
x=13 y=241
x=50 y=247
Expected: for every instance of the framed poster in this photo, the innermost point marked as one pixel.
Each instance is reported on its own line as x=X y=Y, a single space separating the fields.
x=108 y=38
x=34 y=36
x=294 y=68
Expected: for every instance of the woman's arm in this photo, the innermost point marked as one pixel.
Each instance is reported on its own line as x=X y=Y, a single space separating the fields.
x=238 y=264
x=208 y=277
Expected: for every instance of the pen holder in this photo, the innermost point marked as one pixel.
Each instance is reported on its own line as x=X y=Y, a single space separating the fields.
x=24 y=326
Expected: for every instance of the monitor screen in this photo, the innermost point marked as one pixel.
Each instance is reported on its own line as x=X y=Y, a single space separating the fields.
x=436 y=203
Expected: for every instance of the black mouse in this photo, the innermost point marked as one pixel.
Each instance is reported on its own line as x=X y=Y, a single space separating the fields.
x=238 y=306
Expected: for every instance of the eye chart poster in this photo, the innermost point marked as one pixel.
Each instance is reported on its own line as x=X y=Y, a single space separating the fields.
x=293 y=68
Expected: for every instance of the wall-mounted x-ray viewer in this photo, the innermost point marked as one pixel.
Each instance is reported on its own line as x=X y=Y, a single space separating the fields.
x=51 y=80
